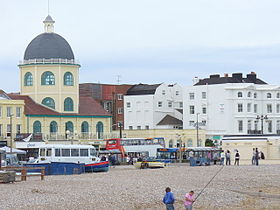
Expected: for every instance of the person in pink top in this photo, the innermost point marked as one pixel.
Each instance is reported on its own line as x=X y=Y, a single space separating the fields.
x=189 y=199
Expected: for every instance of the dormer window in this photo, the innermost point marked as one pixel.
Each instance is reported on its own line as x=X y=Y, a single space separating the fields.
x=239 y=94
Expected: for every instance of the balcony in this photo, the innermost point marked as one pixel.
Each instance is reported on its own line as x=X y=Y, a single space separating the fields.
x=49 y=61
x=254 y=132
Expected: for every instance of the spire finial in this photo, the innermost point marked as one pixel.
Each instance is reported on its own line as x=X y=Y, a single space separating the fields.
x=48 y=7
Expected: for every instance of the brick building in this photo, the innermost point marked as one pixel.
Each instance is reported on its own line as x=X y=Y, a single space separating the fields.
x=110 y=96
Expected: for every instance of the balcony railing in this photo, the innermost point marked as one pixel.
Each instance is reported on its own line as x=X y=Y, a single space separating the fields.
x=49 y=61
x=254 y=132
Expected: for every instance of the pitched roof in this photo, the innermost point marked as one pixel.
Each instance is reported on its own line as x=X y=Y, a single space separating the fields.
x=142 y=89
x=88 y=107
x=3 y=95
x=169 y=120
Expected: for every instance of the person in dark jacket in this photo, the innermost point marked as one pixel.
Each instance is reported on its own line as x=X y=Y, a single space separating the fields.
x=168 y=199
x=237 y=157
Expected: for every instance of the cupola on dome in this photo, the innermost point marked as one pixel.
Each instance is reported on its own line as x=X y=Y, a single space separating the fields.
x=48 y=45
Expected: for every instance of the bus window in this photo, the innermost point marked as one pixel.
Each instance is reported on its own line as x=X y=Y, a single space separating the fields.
x=75 y=152
x=49 y=152
x=92 y=152
x=84 y=152
x=65 y=152
x=149 y=141
x=42 y=152
x=112 y=142
x=57 y=153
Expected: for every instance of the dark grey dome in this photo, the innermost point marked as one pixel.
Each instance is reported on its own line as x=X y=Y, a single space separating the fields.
x=48 y=45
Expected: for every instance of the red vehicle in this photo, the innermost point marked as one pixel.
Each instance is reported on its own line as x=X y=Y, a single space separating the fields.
x=135 y=146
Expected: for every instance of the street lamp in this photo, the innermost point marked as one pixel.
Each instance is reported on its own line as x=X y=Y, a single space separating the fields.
x=120 y=126
x=197 y=137
x=179 y=138
x=262 y=117
x=11 y=133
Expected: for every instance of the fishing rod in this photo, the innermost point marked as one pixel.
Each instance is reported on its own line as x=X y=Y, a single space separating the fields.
x=208 y=183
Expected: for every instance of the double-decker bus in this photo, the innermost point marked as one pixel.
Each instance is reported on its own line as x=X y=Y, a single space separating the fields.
x=135 y=147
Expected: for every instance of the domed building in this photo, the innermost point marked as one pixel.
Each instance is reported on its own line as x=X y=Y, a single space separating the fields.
x=49 y=76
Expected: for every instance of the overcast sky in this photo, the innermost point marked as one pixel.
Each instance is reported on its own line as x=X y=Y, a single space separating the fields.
x=149 y=41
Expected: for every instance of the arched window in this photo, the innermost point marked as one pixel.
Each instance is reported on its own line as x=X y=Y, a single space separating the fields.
x=190 y=143
x=68 y=79
x=99 y=130
x=268 y=95
x=68 y=104
x=85 y=127
x=239 y=94
x=255 y=95
x=249 y=94
x=278 y=95
x=28 y=79
x=47 y=78
x=53 y=127
x=49 y=102
x=69 y=126
x=37 y=127
x=170 y=143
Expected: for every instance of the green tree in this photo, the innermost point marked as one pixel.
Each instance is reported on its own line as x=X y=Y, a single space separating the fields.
x=209 y=143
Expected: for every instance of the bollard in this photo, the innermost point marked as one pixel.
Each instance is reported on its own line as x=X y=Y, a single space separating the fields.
x=23 y=174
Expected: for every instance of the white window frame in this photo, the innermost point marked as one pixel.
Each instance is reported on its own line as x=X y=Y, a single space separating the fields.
x=191 y=96
x=18 y=112
x=269 y=108
x=169 y=104
x=120 y=97
x=159 y=104
x=203 y=95
x=192 y=109
x=128 y=105
x=239 y=108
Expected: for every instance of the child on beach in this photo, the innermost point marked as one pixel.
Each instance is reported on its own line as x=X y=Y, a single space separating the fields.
x=189 y=200
x=168 y=199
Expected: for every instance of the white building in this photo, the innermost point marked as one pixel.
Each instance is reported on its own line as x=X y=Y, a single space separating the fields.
x=232 y=105
x=156 y=106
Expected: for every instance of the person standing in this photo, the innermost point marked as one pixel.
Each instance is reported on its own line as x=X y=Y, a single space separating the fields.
x=222 y=158
x=257 y=156
x=254 y=157
x=191 y=155
x=228 y=157
x=168 y=199
x=189 y=200
x=215 y=158
x=237 y=157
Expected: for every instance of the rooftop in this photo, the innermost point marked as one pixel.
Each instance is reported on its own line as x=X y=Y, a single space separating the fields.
x=235 y=78
x=142 y=89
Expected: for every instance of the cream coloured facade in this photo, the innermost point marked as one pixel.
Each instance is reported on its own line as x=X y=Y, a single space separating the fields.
x=269 y=145
x=59 y=91
x=172 y=137
x=11 y=113
x=50 y=106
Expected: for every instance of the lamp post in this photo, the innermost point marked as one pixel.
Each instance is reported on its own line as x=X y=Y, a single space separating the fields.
x=120 y=126
x=11 y=132
x=262 y=117
x=197 y=136
x=179 y=137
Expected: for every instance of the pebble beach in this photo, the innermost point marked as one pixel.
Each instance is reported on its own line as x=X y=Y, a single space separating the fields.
x=124 y=187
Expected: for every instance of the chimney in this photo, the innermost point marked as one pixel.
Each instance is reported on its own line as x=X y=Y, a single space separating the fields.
x=252 y=77
x=237 y=76
x=214 y=76
x=195 y=80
